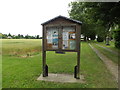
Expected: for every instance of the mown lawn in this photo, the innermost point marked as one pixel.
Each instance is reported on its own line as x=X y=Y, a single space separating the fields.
x=111 y=46
x=22 y=72
x=107 y=53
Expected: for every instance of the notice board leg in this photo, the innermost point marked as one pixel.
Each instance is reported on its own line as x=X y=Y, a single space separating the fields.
x=78 y=65
x=45 y=67
x=75 y=72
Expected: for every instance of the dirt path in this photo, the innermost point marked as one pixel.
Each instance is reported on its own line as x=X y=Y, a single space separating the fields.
x=114 y=52
x=111 y=66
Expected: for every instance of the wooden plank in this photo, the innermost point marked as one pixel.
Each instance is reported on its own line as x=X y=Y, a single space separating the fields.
x=78 y=65
x=62 y=50
x=43 y=53
x=78 y=50
x=44 y=62
x=44 y=37
x=60 y=25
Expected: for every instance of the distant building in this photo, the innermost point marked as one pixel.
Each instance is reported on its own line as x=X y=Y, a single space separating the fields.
x=9 y=37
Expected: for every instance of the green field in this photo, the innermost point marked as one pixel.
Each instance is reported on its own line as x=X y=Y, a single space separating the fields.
x=22 y=65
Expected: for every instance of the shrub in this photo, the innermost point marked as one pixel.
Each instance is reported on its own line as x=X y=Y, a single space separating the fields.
x=117 y=38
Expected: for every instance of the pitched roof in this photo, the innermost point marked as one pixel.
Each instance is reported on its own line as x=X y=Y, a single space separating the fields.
x=73 y=20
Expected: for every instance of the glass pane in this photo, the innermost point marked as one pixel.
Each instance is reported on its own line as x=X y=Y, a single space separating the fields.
x=68 y=42
x=52 y=38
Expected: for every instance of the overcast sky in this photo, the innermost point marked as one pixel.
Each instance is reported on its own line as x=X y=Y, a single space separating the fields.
x=25 y=16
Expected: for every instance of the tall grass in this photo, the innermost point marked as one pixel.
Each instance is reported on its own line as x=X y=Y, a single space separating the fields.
x=18 y=47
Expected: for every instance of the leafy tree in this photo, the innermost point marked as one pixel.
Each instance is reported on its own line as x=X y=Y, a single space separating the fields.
x=21 y=36
x=97 y=17
x=4 y=36
x=78 y=12
x=37 y=37
x=9 y=34
x=117 y=37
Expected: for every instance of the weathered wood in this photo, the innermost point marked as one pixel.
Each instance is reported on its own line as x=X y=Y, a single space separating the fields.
x=59 y=25
x=78 y=65
x=44 y=51
x=78 y=53
x=62 y=50
x=44 y=63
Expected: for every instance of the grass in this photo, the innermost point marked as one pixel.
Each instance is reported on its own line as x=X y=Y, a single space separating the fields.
x=17 y=47
x=111 y=46
x=19 y=72
x=109 y=54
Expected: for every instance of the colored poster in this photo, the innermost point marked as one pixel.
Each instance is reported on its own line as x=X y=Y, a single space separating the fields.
x=71 y=35
x=55 y=33
x=52 y=38
x=55 y=43
x=55 y=39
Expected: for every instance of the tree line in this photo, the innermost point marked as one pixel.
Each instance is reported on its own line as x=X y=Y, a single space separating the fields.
x=19 y=36
x=99 y=18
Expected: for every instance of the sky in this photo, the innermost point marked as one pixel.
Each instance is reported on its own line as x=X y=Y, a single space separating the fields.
x=25 y=16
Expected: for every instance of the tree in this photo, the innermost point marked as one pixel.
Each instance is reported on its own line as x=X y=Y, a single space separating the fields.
x=117 y=38
x=96 y=15
x=27 y=36
x=4 y=36
x=78 y=12
x=37 y=37
x=9 y=34
x=21 y=36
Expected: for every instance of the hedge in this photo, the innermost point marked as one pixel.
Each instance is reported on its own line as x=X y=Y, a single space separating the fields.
x=117 y=38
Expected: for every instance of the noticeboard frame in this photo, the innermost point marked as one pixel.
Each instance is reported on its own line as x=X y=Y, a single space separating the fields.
x=60 y=37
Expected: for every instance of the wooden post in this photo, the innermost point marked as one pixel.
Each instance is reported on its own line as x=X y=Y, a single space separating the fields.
x=44 y=53
x=78 y=52
x=44 y=63
x=78 y=65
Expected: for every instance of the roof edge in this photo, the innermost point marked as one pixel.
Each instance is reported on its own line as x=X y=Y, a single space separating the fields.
x=76 y=21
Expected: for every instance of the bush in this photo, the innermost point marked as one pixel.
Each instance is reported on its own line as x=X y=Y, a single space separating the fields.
x=117 y=38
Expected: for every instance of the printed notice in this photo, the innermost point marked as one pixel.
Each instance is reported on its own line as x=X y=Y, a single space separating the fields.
x=65 y=35
x=72 y=44
x=65 y=44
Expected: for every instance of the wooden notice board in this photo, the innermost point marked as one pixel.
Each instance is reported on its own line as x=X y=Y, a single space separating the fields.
x=61 y=34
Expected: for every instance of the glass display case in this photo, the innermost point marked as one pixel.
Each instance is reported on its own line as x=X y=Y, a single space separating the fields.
x=67 y=36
